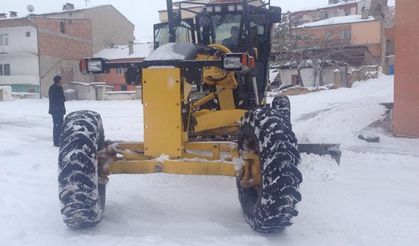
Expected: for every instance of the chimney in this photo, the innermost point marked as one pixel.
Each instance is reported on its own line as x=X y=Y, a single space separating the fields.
x=3 y=15
x=68 y=6
x=364 y=13
x=130 y=47
x=12 y=14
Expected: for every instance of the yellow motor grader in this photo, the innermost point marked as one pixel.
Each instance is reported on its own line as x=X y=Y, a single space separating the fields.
x=205 y=113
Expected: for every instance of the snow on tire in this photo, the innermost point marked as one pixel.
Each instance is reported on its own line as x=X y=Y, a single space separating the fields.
x=267 y=131
x=81 y=194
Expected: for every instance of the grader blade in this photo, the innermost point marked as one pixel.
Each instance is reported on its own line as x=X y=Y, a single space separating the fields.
x=333 y=150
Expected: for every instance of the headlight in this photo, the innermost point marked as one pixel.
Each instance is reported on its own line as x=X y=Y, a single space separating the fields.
x=217 y=8
x=231 y=8
x=238 y=62
x=239 y=7
x=93 y=65
x=233 y=62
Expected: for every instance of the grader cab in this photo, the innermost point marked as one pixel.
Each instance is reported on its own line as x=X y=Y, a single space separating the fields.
x=205 y=113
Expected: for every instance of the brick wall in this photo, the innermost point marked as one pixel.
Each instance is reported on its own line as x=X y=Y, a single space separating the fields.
x=14 y=22
x=74 y=41
x=115 y=79
x=317 y=35
x=406 y=104
x=62 y=43
x=324 y=13
x=362 y=33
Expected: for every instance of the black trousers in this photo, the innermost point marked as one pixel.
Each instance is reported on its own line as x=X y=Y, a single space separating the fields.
x=57 y=119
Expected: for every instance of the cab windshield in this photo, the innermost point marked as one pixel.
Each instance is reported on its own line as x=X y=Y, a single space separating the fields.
x=183 y=35
x=223 y=25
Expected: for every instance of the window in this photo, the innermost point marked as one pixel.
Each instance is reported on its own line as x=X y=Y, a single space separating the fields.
x=28 y=34
x=4 y=69
x=120 y=70
x=328 y=36
x=62 y=26
x=345 y=35
x=161 y=34
x=4 y=39
x=223 y=25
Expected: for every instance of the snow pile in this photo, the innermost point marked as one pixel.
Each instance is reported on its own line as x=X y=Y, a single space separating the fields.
x=140 y=50
x=370 y=199
x=165 y=52
x=338 y=20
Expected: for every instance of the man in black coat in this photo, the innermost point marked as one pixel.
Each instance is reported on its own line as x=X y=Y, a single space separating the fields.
x=57 y=107
x=233 y=41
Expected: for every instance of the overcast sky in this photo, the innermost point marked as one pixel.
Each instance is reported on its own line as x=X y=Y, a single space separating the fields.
x=143 y=13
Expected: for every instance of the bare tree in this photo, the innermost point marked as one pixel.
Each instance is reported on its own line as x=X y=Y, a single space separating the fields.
x=287 y=42
x=301 y=49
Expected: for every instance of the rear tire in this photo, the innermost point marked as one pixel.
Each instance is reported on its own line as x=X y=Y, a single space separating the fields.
x=81 y=194
x=267 y=131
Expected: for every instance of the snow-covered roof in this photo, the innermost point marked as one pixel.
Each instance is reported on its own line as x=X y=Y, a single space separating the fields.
x=338 y=20
x=324 y=6
x=141 y=50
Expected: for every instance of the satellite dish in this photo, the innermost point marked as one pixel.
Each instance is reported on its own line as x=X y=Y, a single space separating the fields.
x=30 y=8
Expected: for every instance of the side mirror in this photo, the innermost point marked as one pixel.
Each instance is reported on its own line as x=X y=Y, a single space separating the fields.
x=276 y=14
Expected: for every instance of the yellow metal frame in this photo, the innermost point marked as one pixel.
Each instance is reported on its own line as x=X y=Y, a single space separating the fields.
x=207 y=120
x=166 y=147
x=162 y=100
x=199 y=158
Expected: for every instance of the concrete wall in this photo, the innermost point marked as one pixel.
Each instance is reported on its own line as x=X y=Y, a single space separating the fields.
x=99 y=91
x=366 y=33
x=406 y=97
x=67 y=69
x=61 y=50
x=317 y=35
x=109 y=26
x=115 y=79
x=18 y=42
x=308 y=76
x=22 y=55
x=362 y=33
x=54 y=46
x=24 y=69
x=5 y=93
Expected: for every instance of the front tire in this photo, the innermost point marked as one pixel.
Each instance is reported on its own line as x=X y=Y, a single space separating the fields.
x=81 y=194
x=270 y=207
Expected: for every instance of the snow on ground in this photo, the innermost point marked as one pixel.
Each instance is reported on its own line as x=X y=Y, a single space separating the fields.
x=372 y=198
